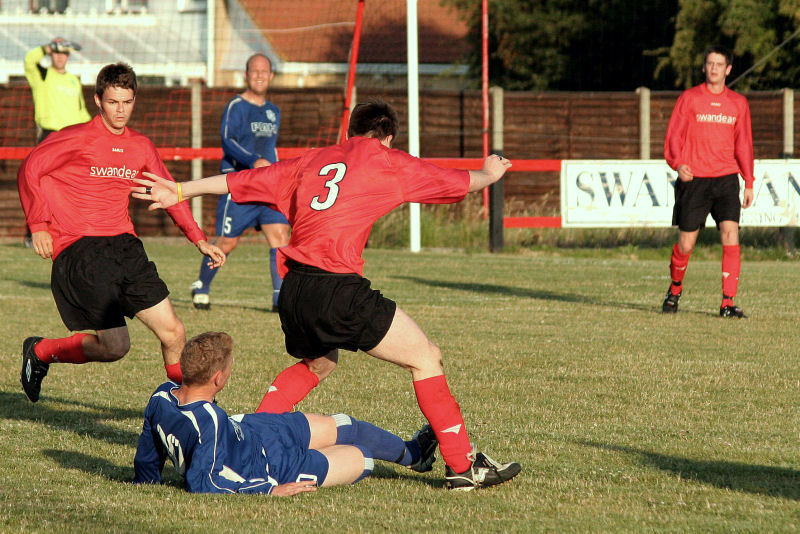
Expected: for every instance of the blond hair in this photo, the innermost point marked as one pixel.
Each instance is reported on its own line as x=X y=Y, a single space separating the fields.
x=204 y=355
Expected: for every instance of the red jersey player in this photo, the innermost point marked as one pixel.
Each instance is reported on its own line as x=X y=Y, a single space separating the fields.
x=332 y=197
x=709 y=142
x=75 y=188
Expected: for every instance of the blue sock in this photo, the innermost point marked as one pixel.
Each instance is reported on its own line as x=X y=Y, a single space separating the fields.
x=381 y=443
x=207 y=274
x=277 y=281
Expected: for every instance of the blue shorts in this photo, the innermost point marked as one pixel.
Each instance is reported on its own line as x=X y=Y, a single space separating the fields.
x=285 y=438
x=233 y=219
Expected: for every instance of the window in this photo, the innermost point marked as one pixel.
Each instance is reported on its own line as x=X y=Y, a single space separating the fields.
x=126 y=6
x=192 y=6
x=49 y=6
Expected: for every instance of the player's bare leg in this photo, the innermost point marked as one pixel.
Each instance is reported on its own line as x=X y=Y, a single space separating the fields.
x=169 y=330
x=346 y=464
x=108 y=345
x=406 y=345
x=277 y=236
x=202 y=286
x=731 y=267
x=679 y=260
x=295 y=382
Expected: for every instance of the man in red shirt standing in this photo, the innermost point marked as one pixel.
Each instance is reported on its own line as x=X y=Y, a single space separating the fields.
x=332 y=196
x=710 y=143
x=74 y=188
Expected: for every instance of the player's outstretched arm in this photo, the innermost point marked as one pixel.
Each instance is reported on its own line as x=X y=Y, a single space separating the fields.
x=165 y=193
x=494 y=167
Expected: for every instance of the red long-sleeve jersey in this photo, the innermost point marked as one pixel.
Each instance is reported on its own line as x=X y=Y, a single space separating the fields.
x=77 y=182
x=711 y=133
x=332 y=196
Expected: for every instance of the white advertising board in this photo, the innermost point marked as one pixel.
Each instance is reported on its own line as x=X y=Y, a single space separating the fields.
x=621 y=193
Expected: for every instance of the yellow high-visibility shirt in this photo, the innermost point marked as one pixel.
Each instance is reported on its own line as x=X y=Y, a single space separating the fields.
x=57 y=98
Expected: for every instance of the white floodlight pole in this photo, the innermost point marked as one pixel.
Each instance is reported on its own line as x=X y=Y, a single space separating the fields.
x=413 y=110
x=211 y=53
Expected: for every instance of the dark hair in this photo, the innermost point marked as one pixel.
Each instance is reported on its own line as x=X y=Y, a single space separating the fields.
x=375 y=119
x=115 y=75
x=204 y=355
x=717 y=49
x=251 y=58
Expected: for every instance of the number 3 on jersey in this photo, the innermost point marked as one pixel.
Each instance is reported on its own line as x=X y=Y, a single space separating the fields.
x=333 y=189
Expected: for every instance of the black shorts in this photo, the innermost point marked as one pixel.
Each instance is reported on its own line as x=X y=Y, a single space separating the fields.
x=321 y=311
x=695 y=199
x=97 y=281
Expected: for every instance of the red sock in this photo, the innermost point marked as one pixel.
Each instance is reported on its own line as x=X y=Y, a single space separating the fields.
x=731 y=266
x=677 y=268
x=289 y=387
x=174 y=372
x=444 y=415
x=63 y=350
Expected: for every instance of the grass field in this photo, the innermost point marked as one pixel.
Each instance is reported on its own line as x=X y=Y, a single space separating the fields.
x=623 y=419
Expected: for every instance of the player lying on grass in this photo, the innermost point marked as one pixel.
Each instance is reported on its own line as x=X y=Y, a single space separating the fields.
x=278 y=454
x=332 y=197
x=74 y=188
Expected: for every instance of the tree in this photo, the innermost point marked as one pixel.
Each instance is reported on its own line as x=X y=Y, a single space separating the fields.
x=753 y=29
x=572 y=44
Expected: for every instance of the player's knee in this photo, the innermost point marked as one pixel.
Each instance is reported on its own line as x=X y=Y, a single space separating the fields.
x=729 y=237
x=433 y=357
x=115 y=349
x=321 y=367
x=367 y=462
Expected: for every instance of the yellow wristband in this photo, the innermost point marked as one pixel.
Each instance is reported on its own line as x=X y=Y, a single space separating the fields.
x=180 y=193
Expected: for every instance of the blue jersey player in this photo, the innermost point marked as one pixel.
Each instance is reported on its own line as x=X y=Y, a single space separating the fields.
x=278 y=454
x=249 y=136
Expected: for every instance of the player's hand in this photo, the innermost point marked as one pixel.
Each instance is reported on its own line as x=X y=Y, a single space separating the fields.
x=685 y=173
x=496 y=166
x=748 y=198
x=162 y=192
x=43 y=243
x=214 y=253
x=261 y=162
x=293 y=488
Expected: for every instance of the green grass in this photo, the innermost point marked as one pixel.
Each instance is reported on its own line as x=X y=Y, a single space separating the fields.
x=623 y=419
x=462 y=226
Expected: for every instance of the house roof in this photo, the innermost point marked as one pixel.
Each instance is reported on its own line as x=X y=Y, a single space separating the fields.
x=321 y=31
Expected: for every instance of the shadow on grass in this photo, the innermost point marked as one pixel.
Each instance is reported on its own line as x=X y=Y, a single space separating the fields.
x=95 y=465
x=91 y=464
x=540 y=294
x=56 y=413
x=187 y=303
x=736 y=476
x=29 y=283
x=387 y=473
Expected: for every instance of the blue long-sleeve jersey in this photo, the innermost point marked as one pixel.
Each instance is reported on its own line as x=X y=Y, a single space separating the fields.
x=214 y=453
x=249 y=132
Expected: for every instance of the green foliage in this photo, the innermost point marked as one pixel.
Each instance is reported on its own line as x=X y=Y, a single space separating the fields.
x=753 y=29
x=624 y=420
x=585 y=45
x=571 y=44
